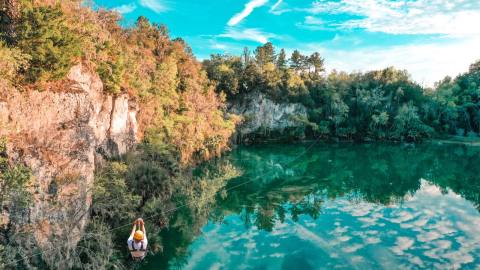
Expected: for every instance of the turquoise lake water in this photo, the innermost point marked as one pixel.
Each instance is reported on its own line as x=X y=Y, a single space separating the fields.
x=346 y=206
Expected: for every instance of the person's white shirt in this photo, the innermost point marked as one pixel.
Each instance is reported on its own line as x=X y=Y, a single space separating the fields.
x=137 y=245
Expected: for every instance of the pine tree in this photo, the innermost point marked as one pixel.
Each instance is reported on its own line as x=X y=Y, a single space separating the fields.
x=315 y=62
x=282 y=60
x=297 y=60
x=265 y=54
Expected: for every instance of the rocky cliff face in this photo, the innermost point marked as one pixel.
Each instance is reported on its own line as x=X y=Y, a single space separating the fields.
x=61 y=135
x=262 y=116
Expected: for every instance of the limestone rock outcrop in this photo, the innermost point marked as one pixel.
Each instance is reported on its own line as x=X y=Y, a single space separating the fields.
x=61 y=136
x=262 y=115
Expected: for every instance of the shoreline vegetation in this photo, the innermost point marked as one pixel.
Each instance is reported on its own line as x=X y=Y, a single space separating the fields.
x=184 y=118
x=371 y=106
x=442 y=139
x=457 y=140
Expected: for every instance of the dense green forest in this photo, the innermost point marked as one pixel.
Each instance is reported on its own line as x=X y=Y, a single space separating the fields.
x=376 y=105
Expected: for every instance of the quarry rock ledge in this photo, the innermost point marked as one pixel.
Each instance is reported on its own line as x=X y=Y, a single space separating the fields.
x=60 y=135
x=263 y=115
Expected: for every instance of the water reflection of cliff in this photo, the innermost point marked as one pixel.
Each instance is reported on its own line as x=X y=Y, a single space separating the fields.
x=381 y=174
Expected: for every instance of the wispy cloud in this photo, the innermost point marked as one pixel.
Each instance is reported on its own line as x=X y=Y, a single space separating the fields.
x=313 y=20
x=406 y=17
x=339 y=39
x=280 y=7
x=218 y=46
x=252 y=34
x=124 y=9
x=312 y=23
x=249 y=7
x=276 y=5
x=157 y=6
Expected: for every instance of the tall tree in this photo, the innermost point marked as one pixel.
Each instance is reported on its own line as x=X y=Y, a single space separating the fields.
x=297 y=60
x=246 y=56
x=282 y=60
x=265 y=54
x=316 y=62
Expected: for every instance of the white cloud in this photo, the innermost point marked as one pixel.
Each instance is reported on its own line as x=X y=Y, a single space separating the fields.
x=448 y=17
x=273 y=9
x=427 y=63
x=352 y=248
x=155 y=5
x=402 y=216
x=372 y=240
x=124 y=9
x=312 y=23
x=402 y=244
x=218 y=46
x=252 y=34
x=429 y=236
x=313 y=20
x=249 y=7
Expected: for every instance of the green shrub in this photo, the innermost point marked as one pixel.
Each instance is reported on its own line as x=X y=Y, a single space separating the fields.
x=113 y=202
x=12 y=60
x=408 y=126
x=96 y=249
x=3 y=146
x=111 y=71
x=13 y=181
x=43 y=34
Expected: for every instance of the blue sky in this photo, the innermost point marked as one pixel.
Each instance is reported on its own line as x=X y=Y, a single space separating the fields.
x=430 y=38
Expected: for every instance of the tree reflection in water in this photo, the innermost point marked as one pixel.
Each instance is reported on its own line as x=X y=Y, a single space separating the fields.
x=374 y=173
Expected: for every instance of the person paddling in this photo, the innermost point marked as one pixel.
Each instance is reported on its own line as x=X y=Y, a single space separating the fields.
x=137 y=242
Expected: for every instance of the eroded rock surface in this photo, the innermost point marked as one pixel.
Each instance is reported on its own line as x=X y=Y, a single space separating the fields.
x=262 y=115
x=60 y=136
